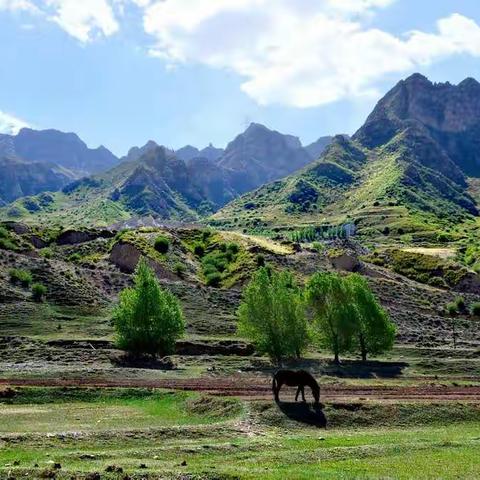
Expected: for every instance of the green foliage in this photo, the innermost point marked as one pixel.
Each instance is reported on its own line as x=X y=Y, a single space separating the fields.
x=38 y=292
x=180 y=269
x=272 y=315
x=460 y=303
x=475 y=309
x=4 y=232
x=452 y=309
x=7 y=244
x=374 y=331
x=162 y=244
x=199 y=250
x=23 y=277
x=147 y=319
x=260 y=260
x=333 y=312
x=213 y=278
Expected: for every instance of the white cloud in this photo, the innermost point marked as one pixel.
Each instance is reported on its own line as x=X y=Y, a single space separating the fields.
x=10 y=124
x=84 y=19
x=303 y=53
x=18 y=5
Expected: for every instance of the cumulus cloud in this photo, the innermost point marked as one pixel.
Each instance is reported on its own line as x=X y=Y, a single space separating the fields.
x=303 y=53
x=10 y=124
x=84 y=19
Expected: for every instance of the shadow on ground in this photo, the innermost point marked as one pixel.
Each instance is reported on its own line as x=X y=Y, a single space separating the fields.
x=302 y=412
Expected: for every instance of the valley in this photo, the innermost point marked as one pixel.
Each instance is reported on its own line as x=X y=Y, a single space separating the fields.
x=397 y=203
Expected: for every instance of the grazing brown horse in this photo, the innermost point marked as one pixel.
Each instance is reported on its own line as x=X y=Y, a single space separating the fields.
x=292 y=378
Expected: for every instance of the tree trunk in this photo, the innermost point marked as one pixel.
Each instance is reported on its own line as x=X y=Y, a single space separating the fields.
x=363 y=348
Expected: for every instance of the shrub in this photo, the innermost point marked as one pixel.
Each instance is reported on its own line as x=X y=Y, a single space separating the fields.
x=38 y=292
x=460 y=303
x=162 y=244
x=260 y=259
x=318 y=247
x=74 y=257
x=213 y=279
x=452 y=309
x=476 y=309
x=179 y=269
x=7 y=244
x=4 y=232
x=233 y=248
x=22 y=277
x=199 y=250
x=46 y=252
x=147 y=319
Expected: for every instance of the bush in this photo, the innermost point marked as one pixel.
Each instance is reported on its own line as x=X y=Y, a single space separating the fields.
x=260 y=259
x=460 y=303
x=4 y=232
x=162 y=244
x=476 y=309
x=22 y=277
x=38 y=292
x=233 y=248
x=452 y=309
x=147 y=319
x=179 y=269
x=7 y=244
x=199 y=250
x=213 y=279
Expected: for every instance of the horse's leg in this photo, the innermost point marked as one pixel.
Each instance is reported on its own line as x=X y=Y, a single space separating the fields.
x=303 y=393
x=277 y=391
x=298 y=393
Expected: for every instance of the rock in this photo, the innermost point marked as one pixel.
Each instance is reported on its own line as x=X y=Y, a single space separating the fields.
x=184 y=463
x=73 y=237
x=7 y=393
x=345 y=262
x=142 y=466
x=114 y=469
x=57 y=466
x=93 y=476
x=87 y=456
x=38 y=242
x=125 y=256
x=17 y=227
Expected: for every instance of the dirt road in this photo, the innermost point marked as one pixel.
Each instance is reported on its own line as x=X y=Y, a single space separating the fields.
x=253 y=388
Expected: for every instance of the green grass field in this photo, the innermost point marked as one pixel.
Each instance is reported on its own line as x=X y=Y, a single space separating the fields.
x=174 y=434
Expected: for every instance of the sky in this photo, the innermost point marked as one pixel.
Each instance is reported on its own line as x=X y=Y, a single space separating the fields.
x=121 y=72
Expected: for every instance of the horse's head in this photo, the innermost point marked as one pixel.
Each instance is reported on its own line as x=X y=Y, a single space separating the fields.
x=316 y=392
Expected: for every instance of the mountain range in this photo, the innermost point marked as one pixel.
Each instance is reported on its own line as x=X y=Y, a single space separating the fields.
x=412 y=167
x=183 y=184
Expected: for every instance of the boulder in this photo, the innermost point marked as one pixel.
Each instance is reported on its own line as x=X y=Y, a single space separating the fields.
x=346 y=262
x=73 y=237
x=125 y=256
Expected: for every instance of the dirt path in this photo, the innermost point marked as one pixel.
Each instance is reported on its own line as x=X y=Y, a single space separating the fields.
x=256 y=389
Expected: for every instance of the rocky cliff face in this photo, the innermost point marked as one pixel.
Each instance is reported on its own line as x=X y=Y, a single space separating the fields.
x=449 y=114
x=263 y=155
x=19 y=178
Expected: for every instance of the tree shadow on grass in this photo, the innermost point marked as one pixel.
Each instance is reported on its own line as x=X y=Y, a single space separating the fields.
x=307 y=413
x=369 y=369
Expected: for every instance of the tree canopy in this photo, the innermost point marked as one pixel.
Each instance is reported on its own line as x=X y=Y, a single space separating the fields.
x=147 y=319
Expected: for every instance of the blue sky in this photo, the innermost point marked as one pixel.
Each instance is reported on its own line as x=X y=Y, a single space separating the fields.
x=121 y=72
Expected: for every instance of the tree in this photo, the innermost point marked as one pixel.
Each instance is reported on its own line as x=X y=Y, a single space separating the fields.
x=333 y=314
x=147 y=319
x=374 y=331
x=272 y=315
